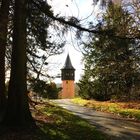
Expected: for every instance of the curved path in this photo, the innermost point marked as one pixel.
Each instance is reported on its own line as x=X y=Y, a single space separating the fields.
x=116 y=128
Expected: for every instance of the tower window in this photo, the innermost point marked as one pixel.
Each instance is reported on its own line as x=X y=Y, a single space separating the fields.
x=67 y=74
x=66 y=82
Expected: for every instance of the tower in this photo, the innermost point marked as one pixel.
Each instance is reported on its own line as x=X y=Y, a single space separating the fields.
x=67 y=76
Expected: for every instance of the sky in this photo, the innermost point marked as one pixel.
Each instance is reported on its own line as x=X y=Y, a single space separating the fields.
x=78 y=8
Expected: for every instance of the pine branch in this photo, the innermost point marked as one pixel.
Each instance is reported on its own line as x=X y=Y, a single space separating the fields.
x=45 y=8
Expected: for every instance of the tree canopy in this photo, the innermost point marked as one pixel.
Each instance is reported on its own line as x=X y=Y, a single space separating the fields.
x=112 y=64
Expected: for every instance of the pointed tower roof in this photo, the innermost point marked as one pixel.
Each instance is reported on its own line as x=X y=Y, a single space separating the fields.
x=68 y=64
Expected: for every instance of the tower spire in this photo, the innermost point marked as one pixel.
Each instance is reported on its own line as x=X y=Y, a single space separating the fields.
x=68 y=64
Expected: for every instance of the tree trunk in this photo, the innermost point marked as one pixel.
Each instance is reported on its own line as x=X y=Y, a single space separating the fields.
x=18 y=112
x=4 y=11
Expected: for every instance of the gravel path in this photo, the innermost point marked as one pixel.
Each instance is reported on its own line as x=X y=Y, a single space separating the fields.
x=116 y=128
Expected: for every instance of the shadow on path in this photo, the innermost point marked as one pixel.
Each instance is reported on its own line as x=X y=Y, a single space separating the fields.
x=116 y=128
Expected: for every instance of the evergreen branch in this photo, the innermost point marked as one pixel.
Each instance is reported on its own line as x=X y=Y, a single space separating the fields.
x=45 y=8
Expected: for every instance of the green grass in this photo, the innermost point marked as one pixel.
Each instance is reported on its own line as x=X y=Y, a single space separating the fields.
x=66 y=126
x=53 y=123
x=122 y=109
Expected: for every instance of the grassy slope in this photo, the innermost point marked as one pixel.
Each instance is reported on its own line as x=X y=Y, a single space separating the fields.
x=125 y=109
x=53 y=123
x=66 y=126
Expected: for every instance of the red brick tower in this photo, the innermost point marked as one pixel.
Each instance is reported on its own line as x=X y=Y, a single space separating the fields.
x=67 y=76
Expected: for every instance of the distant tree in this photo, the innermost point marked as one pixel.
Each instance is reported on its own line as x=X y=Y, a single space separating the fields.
x=44 y=89
x=85 y=86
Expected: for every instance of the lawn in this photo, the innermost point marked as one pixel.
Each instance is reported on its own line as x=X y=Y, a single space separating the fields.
x=53 y=123
x=63 y=125
x=129 y=110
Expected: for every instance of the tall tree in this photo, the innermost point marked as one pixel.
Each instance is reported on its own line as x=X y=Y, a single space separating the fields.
x=40 y=41
x=18 y=112
x=112 y=62
x=4 y=10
